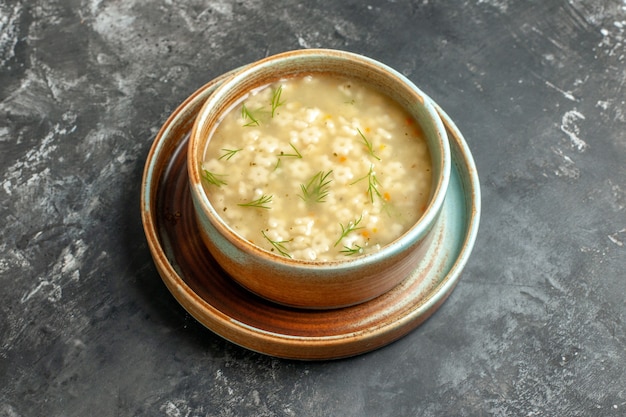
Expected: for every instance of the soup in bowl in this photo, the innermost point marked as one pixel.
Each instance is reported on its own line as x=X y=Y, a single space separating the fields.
x=317 y=177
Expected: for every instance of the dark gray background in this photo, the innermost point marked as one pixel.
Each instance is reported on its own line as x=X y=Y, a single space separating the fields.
x=537 y=323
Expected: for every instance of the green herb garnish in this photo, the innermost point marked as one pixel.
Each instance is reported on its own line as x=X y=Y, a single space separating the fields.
x=229 y=153
x=351 y=227
x=352 y=251
x=261 y=202
x=276 y=103
x=372 y=187
x=247 y=115
x=316 y=190
x=368 y=144
x=297 y=153
x=279 y=245
x=215 y=179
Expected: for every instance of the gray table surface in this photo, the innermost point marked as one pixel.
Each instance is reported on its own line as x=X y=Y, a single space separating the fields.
x=537 y=324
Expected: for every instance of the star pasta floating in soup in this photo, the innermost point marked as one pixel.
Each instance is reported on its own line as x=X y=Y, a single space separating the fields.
x=318 y=168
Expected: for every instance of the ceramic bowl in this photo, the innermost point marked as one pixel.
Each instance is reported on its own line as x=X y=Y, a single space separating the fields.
x=318 y=284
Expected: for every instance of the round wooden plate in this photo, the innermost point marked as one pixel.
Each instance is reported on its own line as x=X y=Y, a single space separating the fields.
x=208 y=294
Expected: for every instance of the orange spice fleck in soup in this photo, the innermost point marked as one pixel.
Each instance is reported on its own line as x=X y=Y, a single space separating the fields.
x=318 y=168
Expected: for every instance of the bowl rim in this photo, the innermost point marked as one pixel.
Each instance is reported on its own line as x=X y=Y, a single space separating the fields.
x=415 y=233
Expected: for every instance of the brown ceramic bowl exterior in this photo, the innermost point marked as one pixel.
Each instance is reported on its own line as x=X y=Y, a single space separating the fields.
x=305 y=284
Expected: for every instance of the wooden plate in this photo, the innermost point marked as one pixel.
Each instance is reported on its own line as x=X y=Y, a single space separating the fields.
x=208 y=294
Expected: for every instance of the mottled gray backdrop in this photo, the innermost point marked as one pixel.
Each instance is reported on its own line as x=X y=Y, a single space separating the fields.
x=536 y=326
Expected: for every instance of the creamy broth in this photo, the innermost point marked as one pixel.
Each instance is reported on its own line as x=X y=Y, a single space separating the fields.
x=318 y=168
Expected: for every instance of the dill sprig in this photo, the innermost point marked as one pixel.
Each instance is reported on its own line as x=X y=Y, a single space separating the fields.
x=297 y=153
x=352 y=251
x=229 y=153
x=261 y=202
x=276 y=103
x=247 y=115
x=368 y=144
x=350 y=227
x=212 y=178
x=316 y=190
x=279 y=245
x=372 y=184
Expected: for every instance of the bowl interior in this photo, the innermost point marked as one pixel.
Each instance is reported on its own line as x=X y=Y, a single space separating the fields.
x=338 y=63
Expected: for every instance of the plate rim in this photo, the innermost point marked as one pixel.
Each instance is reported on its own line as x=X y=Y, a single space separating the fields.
x=284 y=345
